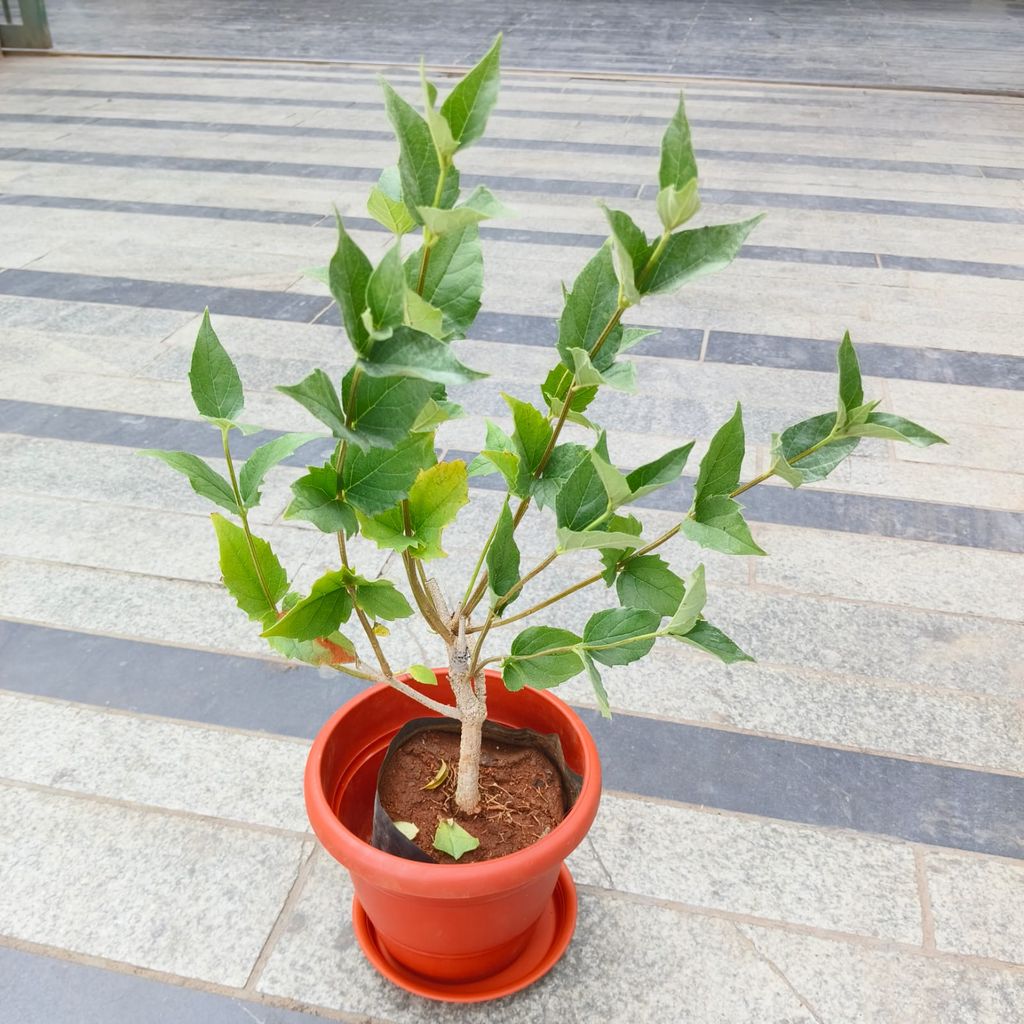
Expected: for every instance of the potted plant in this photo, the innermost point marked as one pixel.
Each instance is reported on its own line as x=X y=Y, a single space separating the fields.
x=455 y=825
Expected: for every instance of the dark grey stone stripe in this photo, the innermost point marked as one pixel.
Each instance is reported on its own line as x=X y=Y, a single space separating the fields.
x=559 y=186
x=533 y=115
x=773 y=253
x=44 y=990
x=936 y=522
x=978 y=369
x=944 y=366
x=952 y=807
x=554 y=145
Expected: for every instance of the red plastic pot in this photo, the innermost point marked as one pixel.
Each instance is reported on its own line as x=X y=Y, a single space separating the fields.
x=450 y=931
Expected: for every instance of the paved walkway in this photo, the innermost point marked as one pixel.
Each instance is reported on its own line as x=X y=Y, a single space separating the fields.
x=935 y=43
x=832 y=835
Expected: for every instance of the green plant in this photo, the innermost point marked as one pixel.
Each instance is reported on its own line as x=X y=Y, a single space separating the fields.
x=385 y=483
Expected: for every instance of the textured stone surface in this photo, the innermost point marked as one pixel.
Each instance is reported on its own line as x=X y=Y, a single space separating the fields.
x=172 y=894
x=978 y=905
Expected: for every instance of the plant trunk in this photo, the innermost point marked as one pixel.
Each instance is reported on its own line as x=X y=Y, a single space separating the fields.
x=467 y=790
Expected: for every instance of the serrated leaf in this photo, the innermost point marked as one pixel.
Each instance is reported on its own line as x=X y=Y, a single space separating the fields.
x=423 y=675
x=531 y=437
x=711 y=639
x=433 y=414
x=562 y=462
x=589 y=307
x=316 y=393
x=611 y=557
x=206 y=482
x=380 y=599
x=620 y=376
x=600 y=694
x=385 y=204
x=410 y=353
x=647 y=582
x=348 y=276
x=453 y=839
x=695 y=596
x=454 y=280
x=250 y=479
x=798 y=438
x=315 y=499
x=631 y=251
x=695 y=253
x=327 y=606
x=407 y=828
x=385 y=290
x=718 y=524
x=535 y=660
x=216 y=386
x=471 y=101
x=242 y=577
x=582 y=498
x=481 y=205
x=664 y=470
x=590 y=540
x=618 y=636
x=895 y=428
x=503 y=561
x=383 y=410
x=375 y=480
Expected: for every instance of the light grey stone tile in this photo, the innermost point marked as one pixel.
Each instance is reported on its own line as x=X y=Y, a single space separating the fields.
x=627 y=962
x=844 y=982
x=785 y=872
x=900 y=572
x=243 y=777
x=187 y=897
x=977 y=905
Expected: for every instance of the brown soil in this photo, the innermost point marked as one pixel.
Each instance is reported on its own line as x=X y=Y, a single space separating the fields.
x=520 y=792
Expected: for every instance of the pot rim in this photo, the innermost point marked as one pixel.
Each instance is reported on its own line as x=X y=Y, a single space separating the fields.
x=451 y=880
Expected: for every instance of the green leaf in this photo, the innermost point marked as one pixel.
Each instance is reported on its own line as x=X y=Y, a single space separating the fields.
x=317 y=394
x=216 y=386
x=433 y=414
x=499 y=454
x=470 y=103
x=695 y=253
x=454 y=280
x=348 y=276
x=387 y=530
x=380 y=600
x=319 y=614
x=316 y=500
x=408 y=829
x=440 y=132
x=206 y=482
x=631 y=252
x=677 y=205
x=618 y=636
x=615 y=484
x=562 y=462
x=385 y=290
x=662 y=471
x=529 y=664
x=620 y=376
x=583 y=540
x=795 y=440
x=647 y=582
x=582 y=498
x=588 y=308
x=422 y=316
x=719 y=525
x=895 y=428
x=241 y=576
x=851 y=390
x=781 y=467
x=384 y=410
x=612 y=556
x=377 y=479
x=678 y=165
x=335 y=649
x=423 y=675
x=481 y=205
x=503 y=561
x=385 y=204
x=264 y=458
x=695 y=596
x=418 y=164
x=531 y=437
x=720 y=468
x=711 y=639
x=453 y=839
x=409 y=353
x=600 y=694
